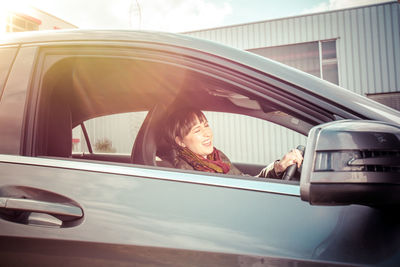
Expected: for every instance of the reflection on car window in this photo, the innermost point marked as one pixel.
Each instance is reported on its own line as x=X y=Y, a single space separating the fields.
x=109 y=134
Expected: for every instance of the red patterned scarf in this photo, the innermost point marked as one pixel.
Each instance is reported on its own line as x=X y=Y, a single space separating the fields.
x=212 y=163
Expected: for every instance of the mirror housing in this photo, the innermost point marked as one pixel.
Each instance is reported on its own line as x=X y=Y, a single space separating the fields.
x=352 y=162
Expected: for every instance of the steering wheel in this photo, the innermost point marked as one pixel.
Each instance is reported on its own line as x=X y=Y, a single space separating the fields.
x=290 y=171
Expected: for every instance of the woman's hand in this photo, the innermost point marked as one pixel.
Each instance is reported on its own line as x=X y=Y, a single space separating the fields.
x=292 y=157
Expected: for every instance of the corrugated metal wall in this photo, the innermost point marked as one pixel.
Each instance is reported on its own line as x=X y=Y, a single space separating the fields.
x=368 y=42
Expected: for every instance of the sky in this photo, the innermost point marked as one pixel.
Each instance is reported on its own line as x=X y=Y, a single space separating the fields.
x=179 y=15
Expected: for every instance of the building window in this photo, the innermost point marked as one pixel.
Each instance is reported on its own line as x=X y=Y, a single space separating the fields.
x=328 y=58
x=389 y=99
x=317 y=58
x=21 y=23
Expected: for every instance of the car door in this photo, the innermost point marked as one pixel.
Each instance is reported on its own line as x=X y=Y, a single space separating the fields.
x=61 y=210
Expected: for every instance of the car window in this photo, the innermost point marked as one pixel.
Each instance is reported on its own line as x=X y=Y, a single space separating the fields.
x=109 y=134
x=251 y=140
x=115 y=98
x=7 y=55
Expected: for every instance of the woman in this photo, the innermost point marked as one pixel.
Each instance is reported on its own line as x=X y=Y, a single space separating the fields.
x=191 y=140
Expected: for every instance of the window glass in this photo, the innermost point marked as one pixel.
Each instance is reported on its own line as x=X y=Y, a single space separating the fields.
x=328 y=49
x=329 y=61
x=304 y=56
x=31 y=26
x=251 y=140
x=389 y=99
x=17 y=23
x=6 y=57
x=109 y=134
x=330 y=72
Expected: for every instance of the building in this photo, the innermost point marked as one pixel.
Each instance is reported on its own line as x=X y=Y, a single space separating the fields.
x=16 y=19
x=357 y=48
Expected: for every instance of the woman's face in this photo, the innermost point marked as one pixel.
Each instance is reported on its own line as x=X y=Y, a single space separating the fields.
x=199 y=139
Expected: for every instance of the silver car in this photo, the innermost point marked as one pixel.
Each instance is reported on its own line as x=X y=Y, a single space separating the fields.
x=82 y=206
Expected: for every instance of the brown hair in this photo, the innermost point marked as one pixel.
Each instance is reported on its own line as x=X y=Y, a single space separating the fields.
x=181 y=121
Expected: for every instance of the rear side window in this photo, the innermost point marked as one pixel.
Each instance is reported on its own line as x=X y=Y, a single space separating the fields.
x=7 y=55
x=109 y=134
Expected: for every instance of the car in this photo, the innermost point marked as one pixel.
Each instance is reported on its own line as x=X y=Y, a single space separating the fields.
x=71 y=205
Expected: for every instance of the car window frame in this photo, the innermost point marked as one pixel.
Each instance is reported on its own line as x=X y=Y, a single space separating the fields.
x=250 y=183
x=252 y=81
x=8 y=63
x=14 y=106
x=120 y=49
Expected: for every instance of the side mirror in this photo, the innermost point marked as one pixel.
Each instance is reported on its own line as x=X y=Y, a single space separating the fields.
x=352 y=162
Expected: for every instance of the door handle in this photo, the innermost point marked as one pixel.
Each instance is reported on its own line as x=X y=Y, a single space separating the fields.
x=65 y=211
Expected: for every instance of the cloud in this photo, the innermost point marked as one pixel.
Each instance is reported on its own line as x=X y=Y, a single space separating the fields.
x=340 y=4
x=159 y=15
x=180 y=15
x=102 y=14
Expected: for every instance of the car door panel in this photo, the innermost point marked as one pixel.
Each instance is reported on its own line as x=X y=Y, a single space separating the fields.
x=136 y=206
x=133 y=210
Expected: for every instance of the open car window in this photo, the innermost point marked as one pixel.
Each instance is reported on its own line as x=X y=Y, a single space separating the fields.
x=250 y=140
x=121 y=97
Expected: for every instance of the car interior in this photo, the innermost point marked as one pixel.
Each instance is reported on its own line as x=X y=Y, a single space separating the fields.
x=79 y=88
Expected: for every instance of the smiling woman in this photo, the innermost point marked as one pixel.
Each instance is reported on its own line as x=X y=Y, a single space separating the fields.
x=191 y=146
x=190 y=141
x=192 y=131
